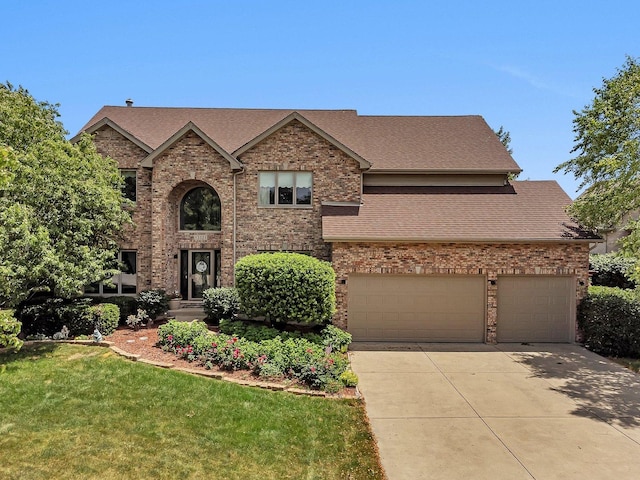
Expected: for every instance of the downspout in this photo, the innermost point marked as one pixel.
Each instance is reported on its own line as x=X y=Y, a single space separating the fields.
x=235 y=224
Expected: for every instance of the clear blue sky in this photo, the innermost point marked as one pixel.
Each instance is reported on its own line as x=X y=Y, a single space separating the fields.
x=524 y=65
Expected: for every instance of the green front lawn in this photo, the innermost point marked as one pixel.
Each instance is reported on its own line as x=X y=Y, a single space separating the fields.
x=69 y=411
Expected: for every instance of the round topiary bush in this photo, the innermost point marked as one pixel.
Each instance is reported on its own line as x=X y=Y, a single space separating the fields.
x=286 y=287
x=126 y=305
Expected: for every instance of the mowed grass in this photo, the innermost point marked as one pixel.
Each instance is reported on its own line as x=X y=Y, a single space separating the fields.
x=69 y=411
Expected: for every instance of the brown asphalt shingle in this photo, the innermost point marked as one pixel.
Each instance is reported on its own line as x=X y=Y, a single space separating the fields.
x=534 y=213
x=459 y=143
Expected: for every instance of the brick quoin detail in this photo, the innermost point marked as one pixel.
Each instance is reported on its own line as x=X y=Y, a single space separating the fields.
x=490 y=260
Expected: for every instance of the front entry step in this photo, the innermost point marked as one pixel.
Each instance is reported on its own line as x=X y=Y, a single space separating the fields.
x=188 y=314
x=191 y=304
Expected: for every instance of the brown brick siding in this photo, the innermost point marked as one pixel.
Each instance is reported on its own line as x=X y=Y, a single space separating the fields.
x=491 y=260
x=189 y=163
x=137 y=237
x=294 y=147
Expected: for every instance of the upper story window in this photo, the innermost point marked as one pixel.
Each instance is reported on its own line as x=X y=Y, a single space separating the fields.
x=285 y=188
x=200 y=210
x=129 y=188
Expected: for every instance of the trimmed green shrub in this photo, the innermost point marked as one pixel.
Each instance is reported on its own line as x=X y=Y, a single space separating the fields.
x=83 y=321
x=174 y=334
x=330 y=336
x=221 y=303
x=610 y=320
x=126 y=305
x=286 y=287
x=612 y=270
x=46 y=316
x=154 y=302
x=105 y=317
x=9 y=330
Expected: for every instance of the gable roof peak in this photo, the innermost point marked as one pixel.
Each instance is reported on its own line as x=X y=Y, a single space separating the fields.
x=190 y=126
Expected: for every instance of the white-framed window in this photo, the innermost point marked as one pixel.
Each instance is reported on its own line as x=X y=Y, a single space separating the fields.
x=285 y=189
x=129 y=190
x=124 y=283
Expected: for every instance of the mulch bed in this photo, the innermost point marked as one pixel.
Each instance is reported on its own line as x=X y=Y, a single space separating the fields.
x=143 y=342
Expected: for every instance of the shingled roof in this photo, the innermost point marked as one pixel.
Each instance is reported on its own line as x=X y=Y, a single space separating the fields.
x=534 y=211
x=389 y=143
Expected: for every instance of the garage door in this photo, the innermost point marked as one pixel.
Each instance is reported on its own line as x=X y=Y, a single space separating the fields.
x=535 y=309
x=417 y=308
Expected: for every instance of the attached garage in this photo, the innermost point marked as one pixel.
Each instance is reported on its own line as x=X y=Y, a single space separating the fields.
x=427 y=308
x=536 y=308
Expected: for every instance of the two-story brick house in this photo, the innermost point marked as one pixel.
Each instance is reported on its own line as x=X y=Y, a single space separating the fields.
x=429 y=238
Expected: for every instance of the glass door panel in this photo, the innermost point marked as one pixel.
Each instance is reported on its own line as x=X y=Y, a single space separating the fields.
x=201 y=273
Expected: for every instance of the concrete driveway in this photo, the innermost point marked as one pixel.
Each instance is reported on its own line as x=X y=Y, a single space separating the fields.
x=466 y=411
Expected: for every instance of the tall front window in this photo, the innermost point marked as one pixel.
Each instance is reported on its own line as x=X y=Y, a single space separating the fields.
x=123 y=283
x=129 y=188
x=285 y=188
x=200 y=210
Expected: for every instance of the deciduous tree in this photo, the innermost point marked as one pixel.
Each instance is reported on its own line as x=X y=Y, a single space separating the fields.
x=61 y=206
x=607 y=148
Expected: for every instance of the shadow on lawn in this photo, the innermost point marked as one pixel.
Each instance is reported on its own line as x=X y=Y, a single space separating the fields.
x=28 y=350
x=599 y=386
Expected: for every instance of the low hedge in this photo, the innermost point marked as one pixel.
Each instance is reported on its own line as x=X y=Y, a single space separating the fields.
x=609 y=318
x=48 y=316
x=301 y=359
x=329 y=336
x=612 y=270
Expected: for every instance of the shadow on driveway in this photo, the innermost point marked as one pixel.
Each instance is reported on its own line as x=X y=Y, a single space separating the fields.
x=599 y=386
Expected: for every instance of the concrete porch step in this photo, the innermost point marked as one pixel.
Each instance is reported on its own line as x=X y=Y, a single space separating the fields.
x=188 y=314
x=191 y=304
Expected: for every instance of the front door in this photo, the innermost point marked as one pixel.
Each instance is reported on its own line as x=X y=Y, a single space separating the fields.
x=198 y=272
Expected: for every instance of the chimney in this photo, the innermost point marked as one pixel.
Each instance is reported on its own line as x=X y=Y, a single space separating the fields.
x=129 y=102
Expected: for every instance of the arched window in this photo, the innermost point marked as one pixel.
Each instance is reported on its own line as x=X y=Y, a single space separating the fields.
x=200 y=210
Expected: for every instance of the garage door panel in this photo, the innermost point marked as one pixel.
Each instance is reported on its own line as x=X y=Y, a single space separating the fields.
x=417 y=308
x=535 y=309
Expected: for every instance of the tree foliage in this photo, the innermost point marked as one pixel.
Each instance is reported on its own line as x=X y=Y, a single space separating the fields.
x=61 y=206
x=505 y=138
x=607 y=148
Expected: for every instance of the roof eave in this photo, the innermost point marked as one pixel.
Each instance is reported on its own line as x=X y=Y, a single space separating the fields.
x=364 y=164
x=190 y=126
x=440 y=171
x=110 y=123
x=336 y=239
